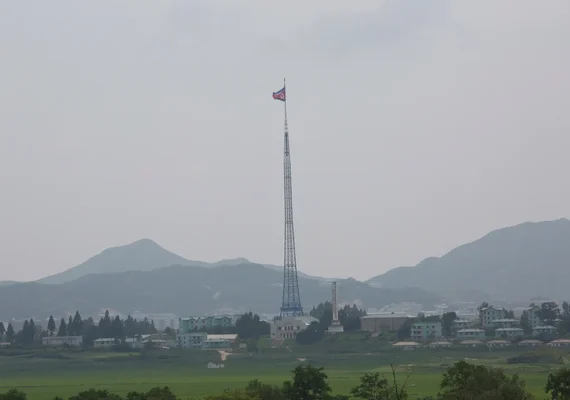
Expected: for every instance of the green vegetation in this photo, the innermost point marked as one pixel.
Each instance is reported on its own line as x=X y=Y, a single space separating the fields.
x=46 y=373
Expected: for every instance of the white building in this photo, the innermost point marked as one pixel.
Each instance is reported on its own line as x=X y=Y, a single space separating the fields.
x=289 y=327
x=57 y=341
x=103 y=343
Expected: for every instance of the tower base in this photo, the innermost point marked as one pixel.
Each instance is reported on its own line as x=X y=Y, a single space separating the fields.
x=335 y=327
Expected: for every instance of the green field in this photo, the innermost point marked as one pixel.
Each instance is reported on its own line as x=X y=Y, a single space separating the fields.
x=45 y=374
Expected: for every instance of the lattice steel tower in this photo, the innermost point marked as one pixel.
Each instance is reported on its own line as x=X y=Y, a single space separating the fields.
x=291 y=305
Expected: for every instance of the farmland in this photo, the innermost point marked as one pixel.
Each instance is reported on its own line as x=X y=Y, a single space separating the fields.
x=44 y=374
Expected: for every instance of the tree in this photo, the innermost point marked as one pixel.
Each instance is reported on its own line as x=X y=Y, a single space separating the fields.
x=566 y=309
x=62 y=331
x=510 y=314
x=235 y=394
x=93 y=394
x=250 y=326
x=263 y=391
x=548 y=312
x=464 y=381
x=372 y=387
x=399 y=391
x=117 y=328
x=10 y=333
x=31 y=334
x=51 y=325
x=76 y=325
x=558 y=384
x=349 y=317
x=23 y=337
x=13 y=394
x=312 y=334
x=309 y=383
x=525 y=322
x=156 y=393
x=447 y=323
x=2 y=331
x=406 y=329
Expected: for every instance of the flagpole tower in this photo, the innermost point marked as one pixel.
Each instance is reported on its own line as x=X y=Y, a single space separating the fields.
x=291 y=306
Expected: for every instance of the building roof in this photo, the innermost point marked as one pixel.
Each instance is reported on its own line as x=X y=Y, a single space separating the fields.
x=442 y=343
x=387 y=315
x=232 y=336
x=206 y=317
x=508 y=329
x=406 y=344
x=471 y=330
x=498 y=342
x=531 y=342
x=492 y=308
x=561 y=341
x=471 y=342
x=501 y=320
x=544 y=327
x=104 y=339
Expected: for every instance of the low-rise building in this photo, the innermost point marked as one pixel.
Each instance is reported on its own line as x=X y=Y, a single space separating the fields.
x=289 y=327
x=498 y=343
x=201 y=340
x=462 y=324
x=102 y=343
x=504 y=323
x=133 y=343
x=472 y=343
x=470 y=333
x=548 y=329
x=383 y=322
x=439 y=344
x=423 y=331
x=60 y=341
x=406 y=345
x=559 y=343
x=206 y=323
x=530 y=343
x=509 y=332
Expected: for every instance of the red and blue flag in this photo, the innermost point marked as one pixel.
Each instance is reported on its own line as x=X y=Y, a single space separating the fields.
x=279 y=95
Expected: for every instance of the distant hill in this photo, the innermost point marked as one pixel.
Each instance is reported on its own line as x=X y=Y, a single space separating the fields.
x=186 y=290
x=142 y=255
x=6 y=283
x=519 y=262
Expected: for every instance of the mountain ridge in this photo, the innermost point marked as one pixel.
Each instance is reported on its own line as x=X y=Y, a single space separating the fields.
x=141 y=255
x=185 y=290
x=508 y=262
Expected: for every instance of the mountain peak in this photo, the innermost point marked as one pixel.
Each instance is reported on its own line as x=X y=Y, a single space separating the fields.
x=515 y=262
x=142 y=255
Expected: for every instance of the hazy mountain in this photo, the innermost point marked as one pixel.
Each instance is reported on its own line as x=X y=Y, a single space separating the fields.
x=518 y=262
x=142 y=255
x=185 y=290
x=6 y=283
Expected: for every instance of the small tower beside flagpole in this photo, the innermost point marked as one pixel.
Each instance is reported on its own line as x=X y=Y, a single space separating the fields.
x=335 y=327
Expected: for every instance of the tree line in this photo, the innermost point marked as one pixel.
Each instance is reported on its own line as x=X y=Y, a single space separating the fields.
x=107 y=327
x=462 y=381
x=348 y=316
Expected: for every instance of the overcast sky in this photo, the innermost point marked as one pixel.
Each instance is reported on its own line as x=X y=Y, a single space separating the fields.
x=416 y=126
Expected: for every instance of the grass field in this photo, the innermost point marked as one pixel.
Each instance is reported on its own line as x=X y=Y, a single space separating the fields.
x=45 y=374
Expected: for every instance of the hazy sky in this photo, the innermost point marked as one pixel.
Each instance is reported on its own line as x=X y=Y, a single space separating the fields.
x=416 y=126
